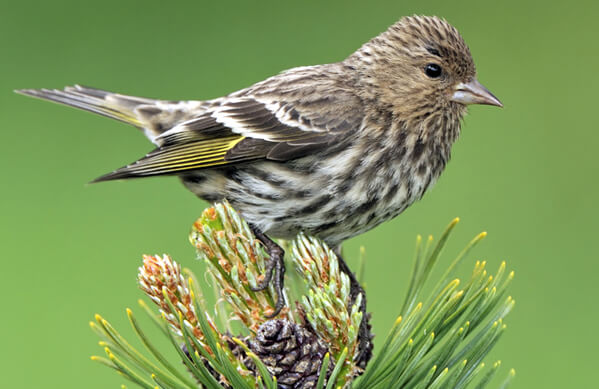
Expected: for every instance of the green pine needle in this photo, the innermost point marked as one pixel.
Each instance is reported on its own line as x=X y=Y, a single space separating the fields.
x=438 y=341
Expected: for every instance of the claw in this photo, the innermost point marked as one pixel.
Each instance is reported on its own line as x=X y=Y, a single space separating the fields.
x=274 y=267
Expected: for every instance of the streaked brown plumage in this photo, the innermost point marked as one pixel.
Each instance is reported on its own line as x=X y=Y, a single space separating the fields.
x=333 y=150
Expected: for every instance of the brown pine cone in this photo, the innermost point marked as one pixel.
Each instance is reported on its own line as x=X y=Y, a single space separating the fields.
x=291 y=353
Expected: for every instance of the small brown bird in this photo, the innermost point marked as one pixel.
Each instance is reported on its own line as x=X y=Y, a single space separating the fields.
x=332 y=150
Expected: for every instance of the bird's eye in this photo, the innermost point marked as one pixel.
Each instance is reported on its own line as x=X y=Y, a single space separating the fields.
x=433 y=70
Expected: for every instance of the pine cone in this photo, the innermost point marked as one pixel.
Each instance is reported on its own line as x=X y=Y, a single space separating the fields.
x=291 y=353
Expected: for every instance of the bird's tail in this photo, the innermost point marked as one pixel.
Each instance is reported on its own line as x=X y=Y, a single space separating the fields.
x=153 y=116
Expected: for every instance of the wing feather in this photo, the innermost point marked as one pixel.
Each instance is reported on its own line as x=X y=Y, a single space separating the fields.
x=170 y=160
x=253 y=124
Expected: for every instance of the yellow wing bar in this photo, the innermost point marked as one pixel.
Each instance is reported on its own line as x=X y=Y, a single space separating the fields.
x=193 y=155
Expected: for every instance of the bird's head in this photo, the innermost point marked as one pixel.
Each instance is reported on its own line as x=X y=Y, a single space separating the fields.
x=421 y=68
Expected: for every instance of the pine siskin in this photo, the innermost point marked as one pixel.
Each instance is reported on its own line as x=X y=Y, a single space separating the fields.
x=332 y=150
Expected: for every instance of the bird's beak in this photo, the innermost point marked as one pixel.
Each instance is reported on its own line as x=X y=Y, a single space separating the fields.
x=474 y=92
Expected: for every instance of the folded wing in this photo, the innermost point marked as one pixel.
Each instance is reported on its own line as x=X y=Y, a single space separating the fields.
x=248 y=128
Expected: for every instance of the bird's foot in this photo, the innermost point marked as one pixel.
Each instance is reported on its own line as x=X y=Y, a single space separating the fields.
x=274 y=272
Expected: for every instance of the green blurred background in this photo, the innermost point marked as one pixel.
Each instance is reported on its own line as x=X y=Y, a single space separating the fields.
x=526 y=173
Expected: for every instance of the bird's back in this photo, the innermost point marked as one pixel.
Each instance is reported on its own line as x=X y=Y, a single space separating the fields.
x=298 y=151
x=332 y=149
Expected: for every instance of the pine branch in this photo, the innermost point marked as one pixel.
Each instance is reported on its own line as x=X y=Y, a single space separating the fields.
x=437 y=341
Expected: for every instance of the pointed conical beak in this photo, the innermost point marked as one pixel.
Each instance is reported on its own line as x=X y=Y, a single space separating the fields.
x=474 y=92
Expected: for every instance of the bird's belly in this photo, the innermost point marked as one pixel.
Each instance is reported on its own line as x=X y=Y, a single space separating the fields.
x=328 y=201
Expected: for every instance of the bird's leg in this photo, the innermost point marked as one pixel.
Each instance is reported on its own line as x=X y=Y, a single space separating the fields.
x=275 y=267
x=364 y=335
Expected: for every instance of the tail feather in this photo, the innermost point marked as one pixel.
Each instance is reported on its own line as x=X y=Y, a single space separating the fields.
x=112 y=105
x=152 y=116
